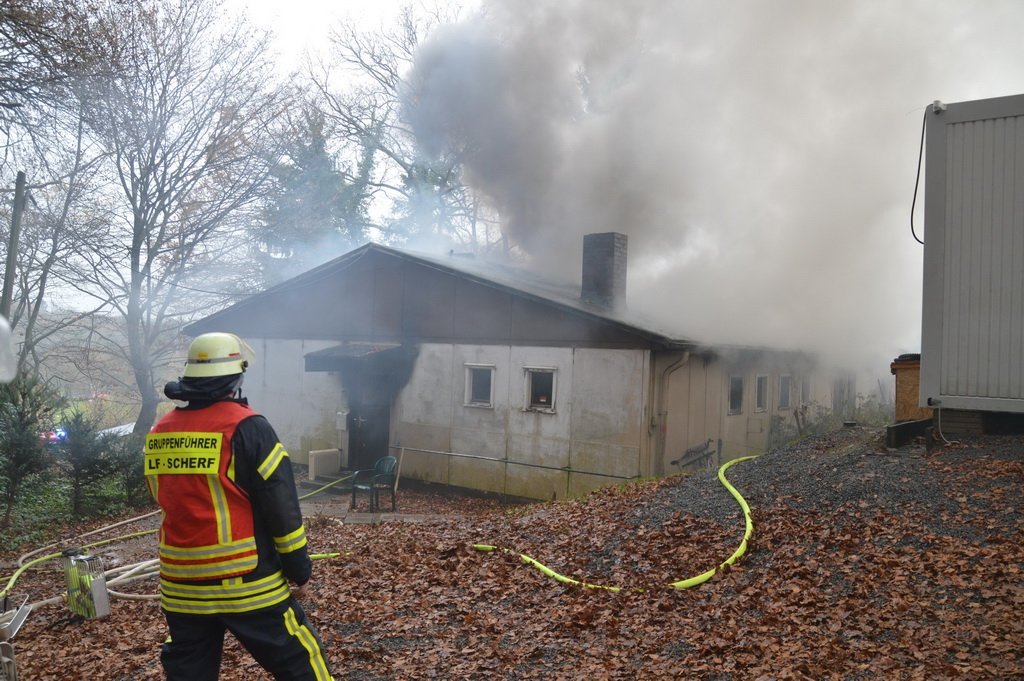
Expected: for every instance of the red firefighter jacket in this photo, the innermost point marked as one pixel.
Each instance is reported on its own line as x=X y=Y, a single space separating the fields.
x=232 y=529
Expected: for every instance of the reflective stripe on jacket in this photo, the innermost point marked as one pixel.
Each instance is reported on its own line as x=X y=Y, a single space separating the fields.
x=229 y=596
x=207 y=530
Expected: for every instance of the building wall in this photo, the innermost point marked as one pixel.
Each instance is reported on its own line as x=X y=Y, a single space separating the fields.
x=606 y=425
x=689 y=407
x=696 y=403
x=594 y=433
x=302 y=407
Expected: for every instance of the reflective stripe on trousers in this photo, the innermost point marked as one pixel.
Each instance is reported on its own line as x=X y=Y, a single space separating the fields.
x=278 y=637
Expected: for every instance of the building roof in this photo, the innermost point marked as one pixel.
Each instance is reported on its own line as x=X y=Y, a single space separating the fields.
x=516 y=281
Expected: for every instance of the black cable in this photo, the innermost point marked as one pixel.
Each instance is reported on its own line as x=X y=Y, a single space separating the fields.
x=917 y=179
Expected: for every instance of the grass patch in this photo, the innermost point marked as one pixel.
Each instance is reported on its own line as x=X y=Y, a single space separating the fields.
x=42 y=513
x=39 y=514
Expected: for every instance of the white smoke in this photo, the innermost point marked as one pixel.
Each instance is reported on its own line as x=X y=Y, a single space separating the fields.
x=760 y=155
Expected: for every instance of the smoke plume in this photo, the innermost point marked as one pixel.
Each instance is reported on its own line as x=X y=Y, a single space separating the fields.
x=760 y=155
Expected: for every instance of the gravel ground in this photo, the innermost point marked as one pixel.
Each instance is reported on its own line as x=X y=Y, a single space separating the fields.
x=865 y=563
x=853 y=469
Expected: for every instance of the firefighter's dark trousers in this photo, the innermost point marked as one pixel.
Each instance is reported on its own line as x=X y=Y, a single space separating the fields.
x=278 y=637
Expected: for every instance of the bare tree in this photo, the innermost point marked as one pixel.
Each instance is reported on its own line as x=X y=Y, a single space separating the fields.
x=27 y=61
x=362 y=91
x=63 y=214
x=47 y=138
x=43 y=45
x=186 y=119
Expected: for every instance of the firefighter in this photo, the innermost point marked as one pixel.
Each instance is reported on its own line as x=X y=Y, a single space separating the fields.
x=232 y=536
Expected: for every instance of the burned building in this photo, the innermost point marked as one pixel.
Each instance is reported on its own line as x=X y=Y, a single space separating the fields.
x=489 y=377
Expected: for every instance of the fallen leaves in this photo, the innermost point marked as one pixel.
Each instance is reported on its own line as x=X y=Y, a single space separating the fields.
x=907 y=584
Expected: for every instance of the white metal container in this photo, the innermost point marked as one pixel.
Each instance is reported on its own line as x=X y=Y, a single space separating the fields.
x=972 y=340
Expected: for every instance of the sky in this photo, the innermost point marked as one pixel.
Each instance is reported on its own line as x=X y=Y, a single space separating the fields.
x=303 y=26
x=760 y=155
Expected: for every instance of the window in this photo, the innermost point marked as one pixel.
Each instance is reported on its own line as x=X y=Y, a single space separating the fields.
x=842 y=397
x=540 y=389
x=805 y=391
x=735 y=394
x=479 y=385
x=785 y=390
x=761 y=394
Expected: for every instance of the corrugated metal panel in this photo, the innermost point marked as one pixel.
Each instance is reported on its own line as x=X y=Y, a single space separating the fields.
x=973 y=331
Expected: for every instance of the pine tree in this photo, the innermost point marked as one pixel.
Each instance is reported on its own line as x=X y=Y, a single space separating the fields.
x=316 y=210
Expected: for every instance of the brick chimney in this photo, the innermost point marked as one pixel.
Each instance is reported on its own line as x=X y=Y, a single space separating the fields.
x=604 y=270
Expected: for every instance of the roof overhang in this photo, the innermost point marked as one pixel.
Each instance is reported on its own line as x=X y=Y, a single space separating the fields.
x=337 y=357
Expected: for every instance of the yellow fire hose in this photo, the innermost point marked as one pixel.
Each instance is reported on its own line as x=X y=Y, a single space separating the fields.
x=150 y=568
x=49 y=556
x=26 y=565
x=681 y=584
x=328 y=485
x=105 y=528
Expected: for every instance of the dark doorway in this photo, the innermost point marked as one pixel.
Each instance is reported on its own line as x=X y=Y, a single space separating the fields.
x=368 y=426
x=372 y=374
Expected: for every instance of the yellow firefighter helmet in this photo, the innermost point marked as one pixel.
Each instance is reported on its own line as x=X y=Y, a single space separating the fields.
x=217 y=354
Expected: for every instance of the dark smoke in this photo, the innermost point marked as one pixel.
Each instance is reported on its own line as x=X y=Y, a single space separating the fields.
x=760 y=155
